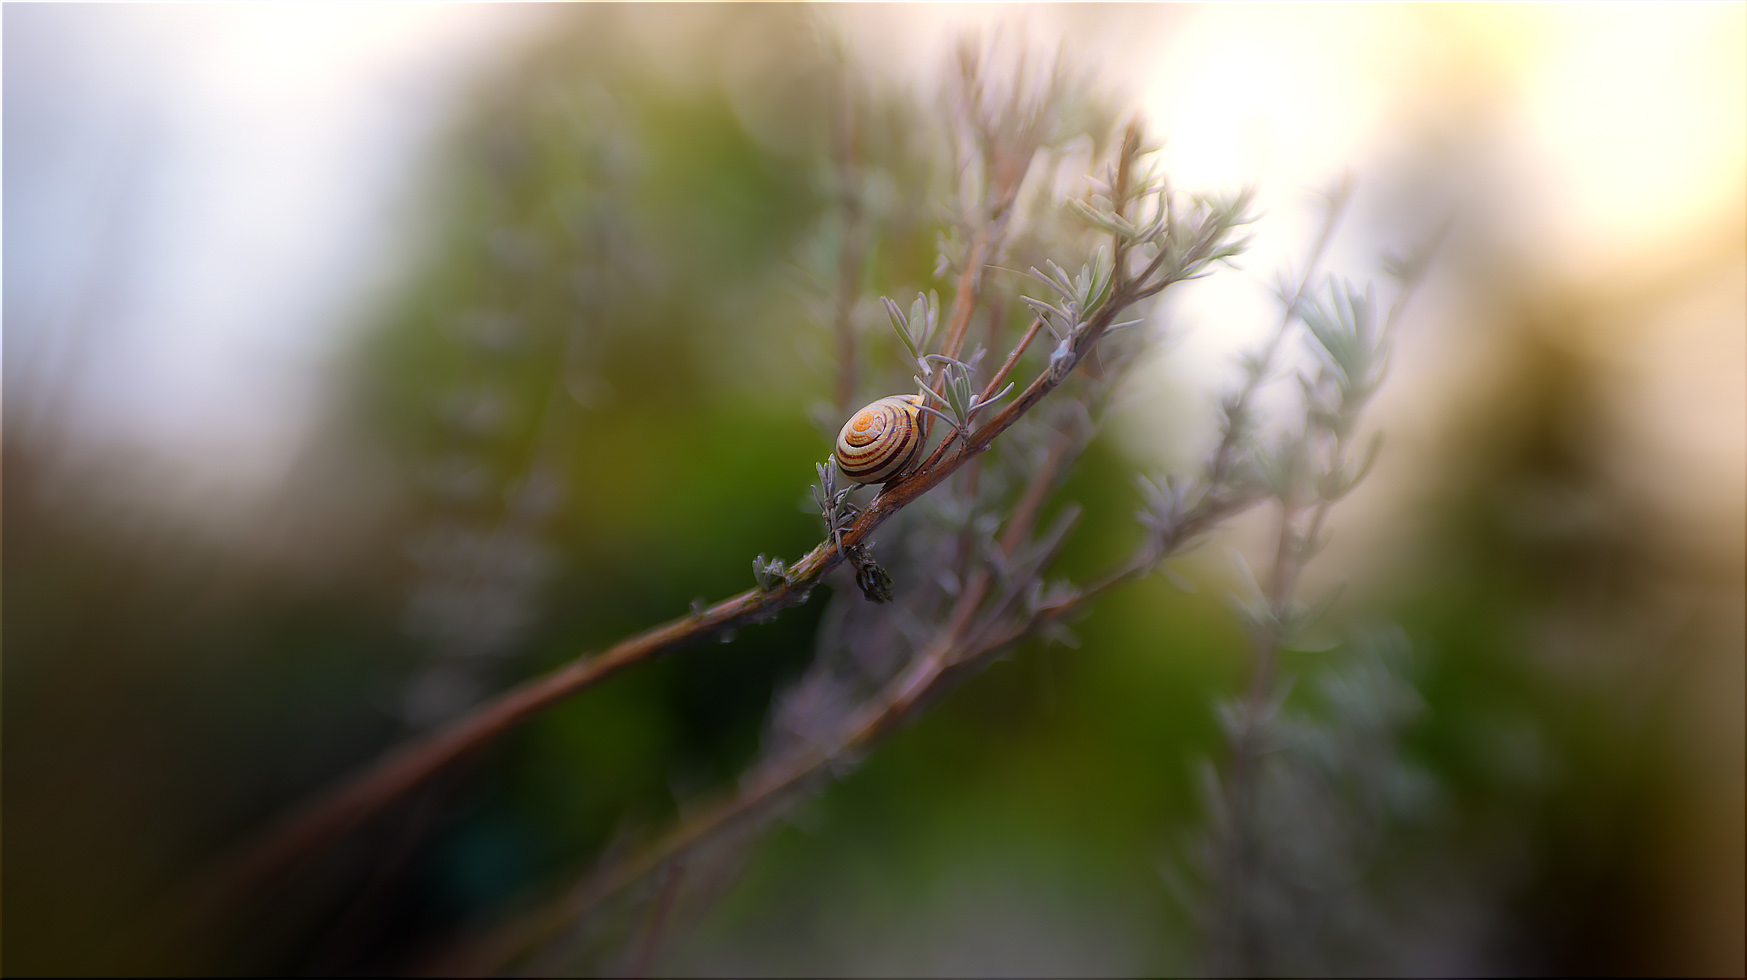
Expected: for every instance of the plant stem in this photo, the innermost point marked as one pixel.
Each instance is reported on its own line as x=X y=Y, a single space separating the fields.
x=960 y=646
x=1011 y=361
x=411 y=764
x=873 y=721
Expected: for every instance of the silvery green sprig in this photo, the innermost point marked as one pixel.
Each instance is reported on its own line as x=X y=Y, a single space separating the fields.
x=1178 y=244
x=960 y=397
x=1076 y=299
x=769 y=573
x=834 y=505
x=1165 y=508
x=839 y=515
x=1351 y=350
x=917 y=329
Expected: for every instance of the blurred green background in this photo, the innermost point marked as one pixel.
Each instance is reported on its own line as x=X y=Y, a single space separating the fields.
x=597 y=388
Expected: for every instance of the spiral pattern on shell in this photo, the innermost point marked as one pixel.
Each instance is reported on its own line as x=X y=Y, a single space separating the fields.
x=883 y=439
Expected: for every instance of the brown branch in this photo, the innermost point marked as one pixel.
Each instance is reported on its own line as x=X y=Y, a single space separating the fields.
x=503 y=946
x=958 y=646
x=409 y=765
x=928 y=671
x=997 y=317
x=876 y=719
x=953 y=653
x=988 y=391
x=406 y=767
x=1012 y=361
x=416 y=761
x=964 y=301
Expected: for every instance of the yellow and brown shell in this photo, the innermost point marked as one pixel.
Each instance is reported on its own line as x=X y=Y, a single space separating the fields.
x=883 y=440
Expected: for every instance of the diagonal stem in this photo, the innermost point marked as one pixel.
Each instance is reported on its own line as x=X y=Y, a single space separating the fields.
x=409 y=765
x=958 y=648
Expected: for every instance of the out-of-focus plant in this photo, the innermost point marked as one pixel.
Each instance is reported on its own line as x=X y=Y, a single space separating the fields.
x=972 y=571
x=1305 y=867
x=1299 y=816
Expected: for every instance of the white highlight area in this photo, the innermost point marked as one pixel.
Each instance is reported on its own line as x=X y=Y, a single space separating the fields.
x=201 y=199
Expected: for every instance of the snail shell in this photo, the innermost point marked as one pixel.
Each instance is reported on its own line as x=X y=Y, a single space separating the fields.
x=882 y=440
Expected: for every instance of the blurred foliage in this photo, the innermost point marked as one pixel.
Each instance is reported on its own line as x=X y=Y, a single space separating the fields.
x=592 y=403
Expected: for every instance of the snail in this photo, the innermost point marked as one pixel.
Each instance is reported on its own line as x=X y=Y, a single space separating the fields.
x=883 y=440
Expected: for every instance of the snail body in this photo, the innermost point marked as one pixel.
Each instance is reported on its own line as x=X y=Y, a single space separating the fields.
x=883 y=440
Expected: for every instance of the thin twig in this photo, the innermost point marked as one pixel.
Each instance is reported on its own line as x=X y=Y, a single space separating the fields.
x=1012 y=360
x=964 y=301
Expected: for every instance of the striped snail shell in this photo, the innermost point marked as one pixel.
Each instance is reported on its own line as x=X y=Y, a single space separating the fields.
x=882 y=440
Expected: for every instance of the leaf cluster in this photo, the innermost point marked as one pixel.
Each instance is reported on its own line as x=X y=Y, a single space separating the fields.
x=916 y=330
x=834 y=506
x=960 y=397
